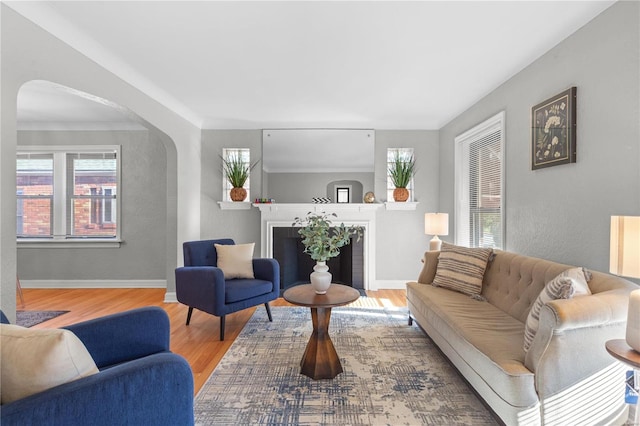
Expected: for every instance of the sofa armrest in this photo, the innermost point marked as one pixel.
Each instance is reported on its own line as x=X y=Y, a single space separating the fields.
x=570 y=342
x=268 y=270
x=428 y=273
x=124 y=336
x=155 y=390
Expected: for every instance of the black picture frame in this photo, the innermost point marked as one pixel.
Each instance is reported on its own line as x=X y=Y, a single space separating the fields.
x=553 y=130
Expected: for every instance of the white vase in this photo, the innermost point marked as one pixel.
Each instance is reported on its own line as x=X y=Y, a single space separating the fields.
x=320 y=278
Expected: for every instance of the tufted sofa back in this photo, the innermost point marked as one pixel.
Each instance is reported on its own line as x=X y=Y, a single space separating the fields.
x=512 y=282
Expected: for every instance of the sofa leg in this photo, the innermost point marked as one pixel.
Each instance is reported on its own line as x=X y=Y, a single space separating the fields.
x=410 y=320
x=222 y=328
x=189 y=315
x=268 y=308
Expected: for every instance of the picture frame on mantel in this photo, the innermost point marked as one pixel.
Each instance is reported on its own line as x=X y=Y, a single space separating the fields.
x=553 y=130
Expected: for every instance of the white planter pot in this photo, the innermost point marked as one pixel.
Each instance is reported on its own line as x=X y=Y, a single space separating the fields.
x=320 y=278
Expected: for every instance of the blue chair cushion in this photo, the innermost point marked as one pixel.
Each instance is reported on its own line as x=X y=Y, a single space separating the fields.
x=242 y=289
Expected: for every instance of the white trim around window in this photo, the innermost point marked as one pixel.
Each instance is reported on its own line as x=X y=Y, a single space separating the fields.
x=93 y=163
x=480 y=185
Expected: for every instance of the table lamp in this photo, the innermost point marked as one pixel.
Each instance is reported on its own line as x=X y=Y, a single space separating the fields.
x=436 y=224
x=625 y=261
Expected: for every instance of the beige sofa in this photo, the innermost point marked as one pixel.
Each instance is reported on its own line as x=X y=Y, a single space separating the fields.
x=566 y=377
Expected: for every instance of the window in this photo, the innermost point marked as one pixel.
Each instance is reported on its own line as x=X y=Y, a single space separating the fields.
x=233 y=154
x=68 y=192
x=404 y=154
x=479 y=185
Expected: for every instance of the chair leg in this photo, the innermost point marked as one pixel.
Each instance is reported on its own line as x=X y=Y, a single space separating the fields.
x=222 y=328
x=268 y=308
x=189 y=315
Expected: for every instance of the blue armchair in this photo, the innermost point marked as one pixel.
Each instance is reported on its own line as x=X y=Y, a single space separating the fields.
x=140 y=381
x=201 y=284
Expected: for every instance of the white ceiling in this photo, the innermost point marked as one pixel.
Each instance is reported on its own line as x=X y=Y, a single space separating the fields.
x=382 y=65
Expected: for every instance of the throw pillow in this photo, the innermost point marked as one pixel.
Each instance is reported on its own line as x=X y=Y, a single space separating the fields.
x=461 y=268
x=34 y=360
x=569 y=283
x=235 y=260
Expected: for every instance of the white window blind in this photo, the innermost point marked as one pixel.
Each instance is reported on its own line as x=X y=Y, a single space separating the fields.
x=480 y=185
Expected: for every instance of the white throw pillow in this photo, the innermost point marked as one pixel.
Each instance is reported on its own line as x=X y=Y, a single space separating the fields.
x=569 y=283
x=34 y=360
x=235 y=260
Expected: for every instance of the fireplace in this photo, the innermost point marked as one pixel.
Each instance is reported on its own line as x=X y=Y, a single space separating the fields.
x=357 y=261
x=295 y=265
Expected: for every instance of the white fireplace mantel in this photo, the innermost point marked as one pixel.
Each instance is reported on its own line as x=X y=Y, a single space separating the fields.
x=282 y=215
x=318 y=207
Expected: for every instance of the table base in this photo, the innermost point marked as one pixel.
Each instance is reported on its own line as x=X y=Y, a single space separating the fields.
x=320 y=359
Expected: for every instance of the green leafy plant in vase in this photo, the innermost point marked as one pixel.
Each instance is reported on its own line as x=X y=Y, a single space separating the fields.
x=322 y=241
x=401 y=170
x=237 y=172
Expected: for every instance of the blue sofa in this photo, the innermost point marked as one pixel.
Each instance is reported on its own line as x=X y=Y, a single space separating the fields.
x=140 y=381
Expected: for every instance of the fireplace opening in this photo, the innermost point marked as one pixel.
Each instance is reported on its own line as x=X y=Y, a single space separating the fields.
x=296 y=265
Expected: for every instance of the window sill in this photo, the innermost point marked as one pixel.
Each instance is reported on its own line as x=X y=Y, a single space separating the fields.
x=37 y=243
x=234 y=205
x=408 y=205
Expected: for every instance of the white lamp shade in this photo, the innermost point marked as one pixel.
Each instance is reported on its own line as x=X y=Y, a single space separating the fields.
x=436 y=223
x=625 y=246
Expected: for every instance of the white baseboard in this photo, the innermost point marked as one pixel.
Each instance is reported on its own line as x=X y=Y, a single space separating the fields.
x=93 y=283
x=170 y=297
x=391 y=284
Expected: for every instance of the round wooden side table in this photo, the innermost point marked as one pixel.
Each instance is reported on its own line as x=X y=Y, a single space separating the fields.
x=320 y=359
x=620 y=350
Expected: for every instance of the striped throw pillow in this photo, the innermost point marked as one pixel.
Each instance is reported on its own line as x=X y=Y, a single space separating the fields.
x=569 y=283
x=461 y=268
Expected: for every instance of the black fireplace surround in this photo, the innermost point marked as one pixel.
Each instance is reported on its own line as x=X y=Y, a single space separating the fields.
x=296 y=265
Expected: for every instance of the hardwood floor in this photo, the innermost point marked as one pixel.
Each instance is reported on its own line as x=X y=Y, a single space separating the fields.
x=198 y=342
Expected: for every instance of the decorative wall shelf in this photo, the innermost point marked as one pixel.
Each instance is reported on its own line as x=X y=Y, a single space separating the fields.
x=408 y=205
x=234 y=205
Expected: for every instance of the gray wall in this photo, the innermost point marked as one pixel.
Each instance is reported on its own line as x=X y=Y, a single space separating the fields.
x=562 y=213
x=241 y=225
x=401 y=241
x=400 y=234
x=30 y=53
x=142 y=255
x=301 y=187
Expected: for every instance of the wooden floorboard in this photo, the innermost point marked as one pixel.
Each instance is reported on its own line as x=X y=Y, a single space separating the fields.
x=199 y=342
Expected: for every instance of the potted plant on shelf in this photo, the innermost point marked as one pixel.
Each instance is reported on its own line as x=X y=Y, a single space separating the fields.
x=237 y=173
x=401 y=170
x=322 y=241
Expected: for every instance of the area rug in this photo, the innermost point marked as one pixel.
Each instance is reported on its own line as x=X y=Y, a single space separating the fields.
x=31 y=318
x=393 y=375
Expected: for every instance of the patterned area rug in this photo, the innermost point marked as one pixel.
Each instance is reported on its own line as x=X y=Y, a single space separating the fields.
x=31 y=318
x=393 y=375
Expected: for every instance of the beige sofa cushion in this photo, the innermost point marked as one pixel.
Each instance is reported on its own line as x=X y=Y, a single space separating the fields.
x=34 y=360
x=488 y=339
x=461 y=268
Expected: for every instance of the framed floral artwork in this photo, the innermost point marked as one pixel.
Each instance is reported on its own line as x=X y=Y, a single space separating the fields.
x=553 y=130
